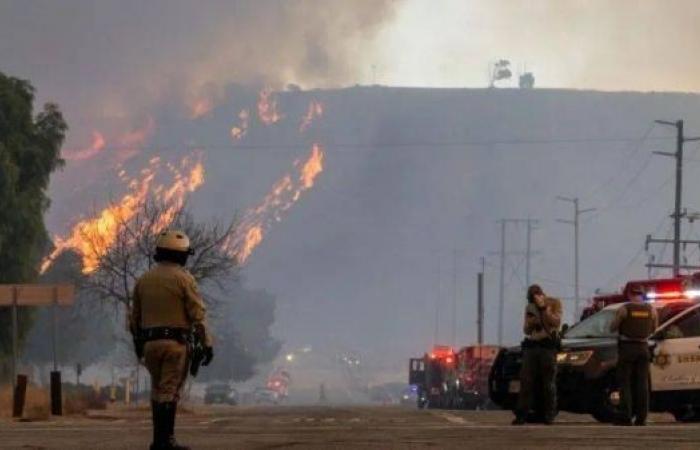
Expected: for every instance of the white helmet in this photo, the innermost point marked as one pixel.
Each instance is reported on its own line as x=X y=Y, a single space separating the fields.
x=174 y=240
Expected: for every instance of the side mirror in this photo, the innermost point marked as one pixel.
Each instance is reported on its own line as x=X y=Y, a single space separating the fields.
x=660 y=336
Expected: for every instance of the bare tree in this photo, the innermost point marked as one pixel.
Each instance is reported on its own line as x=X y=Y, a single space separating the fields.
x=124 y=254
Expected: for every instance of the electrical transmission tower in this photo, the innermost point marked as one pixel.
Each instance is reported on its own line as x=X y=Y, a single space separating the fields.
x=678 y=212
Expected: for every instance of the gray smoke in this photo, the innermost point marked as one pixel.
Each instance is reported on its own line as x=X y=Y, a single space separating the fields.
x=107 y=60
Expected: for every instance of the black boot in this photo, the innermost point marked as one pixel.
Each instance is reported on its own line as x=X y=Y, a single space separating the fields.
x=160 y=426
x=170 y=413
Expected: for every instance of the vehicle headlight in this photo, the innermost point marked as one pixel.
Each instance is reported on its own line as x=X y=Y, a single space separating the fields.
x=574 y=358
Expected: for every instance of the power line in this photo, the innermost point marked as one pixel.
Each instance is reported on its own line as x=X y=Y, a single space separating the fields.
x=627 y=157
x=634 y=258
x=374 y=145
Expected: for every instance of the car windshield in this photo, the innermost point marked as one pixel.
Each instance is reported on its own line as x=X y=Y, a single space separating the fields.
x=595 y=326
x=671 y=310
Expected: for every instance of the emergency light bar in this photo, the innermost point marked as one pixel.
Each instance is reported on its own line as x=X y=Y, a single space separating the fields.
x=672 y=295
x=651 y=295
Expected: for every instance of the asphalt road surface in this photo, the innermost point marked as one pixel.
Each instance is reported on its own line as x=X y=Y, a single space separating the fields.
x=338 y=427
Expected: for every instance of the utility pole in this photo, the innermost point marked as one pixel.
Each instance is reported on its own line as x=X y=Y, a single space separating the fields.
x=454 y=298
x=437 y=305
x=677 y=213
x=501 y=282
x=480 y=304
x=502 y=254
x=528 y=250
x=577 y=214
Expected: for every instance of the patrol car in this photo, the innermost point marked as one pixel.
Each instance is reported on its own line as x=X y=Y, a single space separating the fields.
x=586 y=379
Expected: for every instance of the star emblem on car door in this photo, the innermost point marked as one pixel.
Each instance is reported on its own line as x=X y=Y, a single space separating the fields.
x=662 y=360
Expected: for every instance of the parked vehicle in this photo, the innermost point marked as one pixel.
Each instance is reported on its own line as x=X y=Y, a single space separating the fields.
x=454 y=380
x=220 y=394
x=586 y=379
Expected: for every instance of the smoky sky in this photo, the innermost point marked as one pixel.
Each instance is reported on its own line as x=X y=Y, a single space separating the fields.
x=105 y=60
x=355 y=262
x=622 y=44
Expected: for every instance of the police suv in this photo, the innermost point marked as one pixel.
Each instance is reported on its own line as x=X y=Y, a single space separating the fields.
x=586 y=379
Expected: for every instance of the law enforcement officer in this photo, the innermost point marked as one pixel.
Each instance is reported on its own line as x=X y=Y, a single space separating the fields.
x=166 y=308
x=635 y=321
x=538 y=371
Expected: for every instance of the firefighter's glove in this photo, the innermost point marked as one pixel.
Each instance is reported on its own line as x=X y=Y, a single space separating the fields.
x=208 y=355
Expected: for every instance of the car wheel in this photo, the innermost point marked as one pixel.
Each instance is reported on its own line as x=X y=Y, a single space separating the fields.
x=686 y=415
x=603 y=409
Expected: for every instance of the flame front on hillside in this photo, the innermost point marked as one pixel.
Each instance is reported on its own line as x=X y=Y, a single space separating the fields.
x=201 y=108
x=267 y=107
x=315 y=110
x=283 y=195
x=237 y=132
x=92 y=238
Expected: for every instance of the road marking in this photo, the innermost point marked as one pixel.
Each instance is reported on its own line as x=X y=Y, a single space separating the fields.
x=453 y=418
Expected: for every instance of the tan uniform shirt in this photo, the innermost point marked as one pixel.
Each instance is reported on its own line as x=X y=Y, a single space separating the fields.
x=548 y=318
x=167 y=296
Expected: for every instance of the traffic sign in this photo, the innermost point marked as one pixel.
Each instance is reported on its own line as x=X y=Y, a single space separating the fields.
x=37 y=294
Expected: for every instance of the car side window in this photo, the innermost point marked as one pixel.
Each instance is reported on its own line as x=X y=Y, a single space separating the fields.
x=685 y=327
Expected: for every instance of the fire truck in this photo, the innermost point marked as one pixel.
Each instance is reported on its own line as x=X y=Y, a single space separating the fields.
x=445 y=378
x=277 y=385
x=473 y=367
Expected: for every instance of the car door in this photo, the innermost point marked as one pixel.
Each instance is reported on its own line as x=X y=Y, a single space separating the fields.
x=676 y=355
x=416 y=371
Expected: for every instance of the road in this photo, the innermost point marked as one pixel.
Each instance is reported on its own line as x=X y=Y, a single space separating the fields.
x=337 y=427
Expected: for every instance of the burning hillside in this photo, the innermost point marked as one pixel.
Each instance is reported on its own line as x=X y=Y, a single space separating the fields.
x=171 y=183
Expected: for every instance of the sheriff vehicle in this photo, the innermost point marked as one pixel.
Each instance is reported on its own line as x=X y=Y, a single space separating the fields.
x=586 y=379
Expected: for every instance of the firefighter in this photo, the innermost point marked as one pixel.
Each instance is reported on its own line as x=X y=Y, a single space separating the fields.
x=167 y=311
x=538 y=371
x=635 y=321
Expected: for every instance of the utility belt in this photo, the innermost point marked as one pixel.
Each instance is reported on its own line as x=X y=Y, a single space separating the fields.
x=552 y=343
x=622 y=339
x=181 y=335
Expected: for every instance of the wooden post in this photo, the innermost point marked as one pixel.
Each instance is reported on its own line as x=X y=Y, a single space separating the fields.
x=127 y=391
x=14 y=336
x=56 y=395
x=19 y=396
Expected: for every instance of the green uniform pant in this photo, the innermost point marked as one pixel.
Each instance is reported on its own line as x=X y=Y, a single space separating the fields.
x=538 y=388
x=167 y=362
x=633 y=377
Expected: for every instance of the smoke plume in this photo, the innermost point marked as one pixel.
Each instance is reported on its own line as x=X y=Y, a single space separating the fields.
x=114 y=60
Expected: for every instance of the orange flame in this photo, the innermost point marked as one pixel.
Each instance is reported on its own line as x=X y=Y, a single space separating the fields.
x=267 y=107
x=93 y=237
x=253 y=237
x=283 y=195
x=237 y=132
x=201 y=108
x=315 y=110
x=98 y=143
x=312 y=167
x=133 y=140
